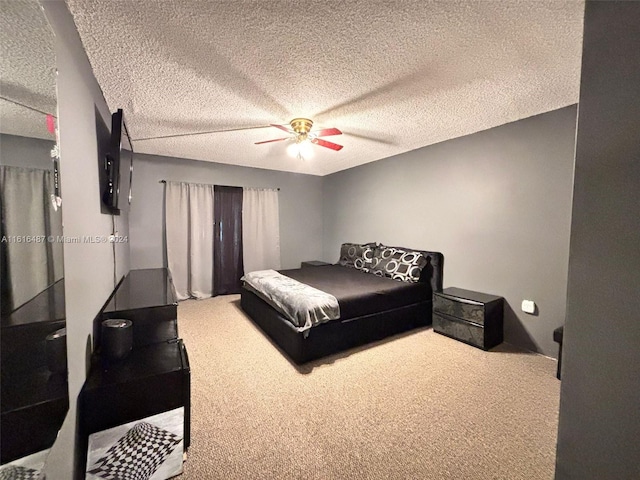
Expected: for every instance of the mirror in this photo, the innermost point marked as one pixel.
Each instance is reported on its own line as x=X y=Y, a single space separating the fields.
x=33 y=365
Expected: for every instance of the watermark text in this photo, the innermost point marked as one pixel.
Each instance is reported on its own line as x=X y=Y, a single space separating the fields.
x=64 y=239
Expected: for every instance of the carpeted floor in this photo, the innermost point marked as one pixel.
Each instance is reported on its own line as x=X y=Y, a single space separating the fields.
x=417 y=406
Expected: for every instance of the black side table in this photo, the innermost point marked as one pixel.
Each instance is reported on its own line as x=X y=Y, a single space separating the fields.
x=471 y=317
x=313 y=263
x=558 y=333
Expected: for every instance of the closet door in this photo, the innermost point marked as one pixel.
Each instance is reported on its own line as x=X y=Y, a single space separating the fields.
x=227 y=243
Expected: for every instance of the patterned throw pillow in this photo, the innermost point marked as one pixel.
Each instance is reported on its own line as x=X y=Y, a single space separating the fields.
x=354 y=255
x=138 y=454
x=369 y=259
x=399 y=264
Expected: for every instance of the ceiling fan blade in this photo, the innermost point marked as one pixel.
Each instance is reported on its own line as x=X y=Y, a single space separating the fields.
x=274 y=140
x=326 y=132
x=324 y=143
x=199 y=133
x=378 y=139
x=282 y=127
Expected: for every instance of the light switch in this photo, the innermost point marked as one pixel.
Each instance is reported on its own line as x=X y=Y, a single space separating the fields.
x=528 y=306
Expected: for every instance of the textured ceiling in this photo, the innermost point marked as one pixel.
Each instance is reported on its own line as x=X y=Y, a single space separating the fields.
x=393 y=76
x=27 y=69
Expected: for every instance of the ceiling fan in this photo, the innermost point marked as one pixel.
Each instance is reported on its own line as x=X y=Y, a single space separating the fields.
x=299 y=129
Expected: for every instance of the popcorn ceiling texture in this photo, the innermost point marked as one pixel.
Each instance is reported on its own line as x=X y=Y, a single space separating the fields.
x=27 y=69
x=393 y=76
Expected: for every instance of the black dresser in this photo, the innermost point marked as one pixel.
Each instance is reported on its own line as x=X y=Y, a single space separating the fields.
x=471 y=317
x=148 y=388
x=34 y=400
x=147 y=298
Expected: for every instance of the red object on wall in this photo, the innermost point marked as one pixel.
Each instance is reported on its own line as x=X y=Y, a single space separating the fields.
x=51 y=124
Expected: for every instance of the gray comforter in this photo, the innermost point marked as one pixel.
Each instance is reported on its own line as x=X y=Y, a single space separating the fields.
x=303 y=305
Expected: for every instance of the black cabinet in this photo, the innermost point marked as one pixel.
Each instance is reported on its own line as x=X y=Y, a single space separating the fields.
x=151 y=380
x=558 y=333
x=148 y=299
x=313 y=263
x=471 y=317
x=154 y=379
x=33 y=399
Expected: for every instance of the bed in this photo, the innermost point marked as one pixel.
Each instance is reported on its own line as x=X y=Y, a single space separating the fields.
x=372 y=306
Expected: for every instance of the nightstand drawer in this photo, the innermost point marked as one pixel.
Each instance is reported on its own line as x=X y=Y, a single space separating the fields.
x=460 y=307
x=459 y=329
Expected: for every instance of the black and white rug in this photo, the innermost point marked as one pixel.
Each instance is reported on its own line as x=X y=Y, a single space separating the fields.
x=15 y=472
x=143 y=450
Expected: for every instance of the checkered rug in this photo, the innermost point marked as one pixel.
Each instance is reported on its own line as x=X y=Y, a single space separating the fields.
x=14 y=472
x=137 y=454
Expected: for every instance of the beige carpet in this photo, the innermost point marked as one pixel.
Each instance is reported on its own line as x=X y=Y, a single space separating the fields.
x=418 y=406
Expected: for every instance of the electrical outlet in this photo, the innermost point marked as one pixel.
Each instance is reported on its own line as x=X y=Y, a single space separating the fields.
x=529 y=306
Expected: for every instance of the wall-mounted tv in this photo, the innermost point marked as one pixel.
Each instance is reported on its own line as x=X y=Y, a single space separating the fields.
x=116 y=161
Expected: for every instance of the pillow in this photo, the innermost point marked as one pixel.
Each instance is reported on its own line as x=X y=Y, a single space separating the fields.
x=356 y=255
x=138 y=453
x=369 y=259
x=399 y=264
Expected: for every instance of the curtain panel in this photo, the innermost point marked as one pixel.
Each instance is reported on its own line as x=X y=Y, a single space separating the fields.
x=204 y=261
x=260 y=229
x=189 y=238
x=32 y=257
x=227 y=261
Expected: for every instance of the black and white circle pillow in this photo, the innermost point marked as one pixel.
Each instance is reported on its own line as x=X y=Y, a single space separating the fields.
x=356 y=255
x=399 y=264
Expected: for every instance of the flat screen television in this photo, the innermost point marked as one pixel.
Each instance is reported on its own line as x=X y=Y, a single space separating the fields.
x=117 y=160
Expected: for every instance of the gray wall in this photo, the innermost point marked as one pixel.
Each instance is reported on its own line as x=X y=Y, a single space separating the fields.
x=496 y=203
x=599 y=423
x=26 y=152
x=300 y=205
x=88 y=267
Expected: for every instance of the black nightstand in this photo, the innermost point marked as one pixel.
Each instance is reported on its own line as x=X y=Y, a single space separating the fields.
x=471 y=317
x=313 y=263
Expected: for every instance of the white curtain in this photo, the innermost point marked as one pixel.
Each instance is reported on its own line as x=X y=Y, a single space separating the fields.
x=189 y=237
x=260 y=229
x=30 y=230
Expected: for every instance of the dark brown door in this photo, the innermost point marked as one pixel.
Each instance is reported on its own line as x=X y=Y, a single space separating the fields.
x=227 y=242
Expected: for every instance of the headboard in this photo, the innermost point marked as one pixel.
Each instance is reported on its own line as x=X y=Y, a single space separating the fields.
x=434 y=270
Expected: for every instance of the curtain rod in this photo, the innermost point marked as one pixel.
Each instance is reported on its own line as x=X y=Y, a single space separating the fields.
x=165 y=181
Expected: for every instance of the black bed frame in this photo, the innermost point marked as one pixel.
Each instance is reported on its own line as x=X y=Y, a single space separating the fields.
x=340 y=335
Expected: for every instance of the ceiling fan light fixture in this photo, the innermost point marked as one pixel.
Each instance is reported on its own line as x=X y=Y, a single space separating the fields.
x=301 y=150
